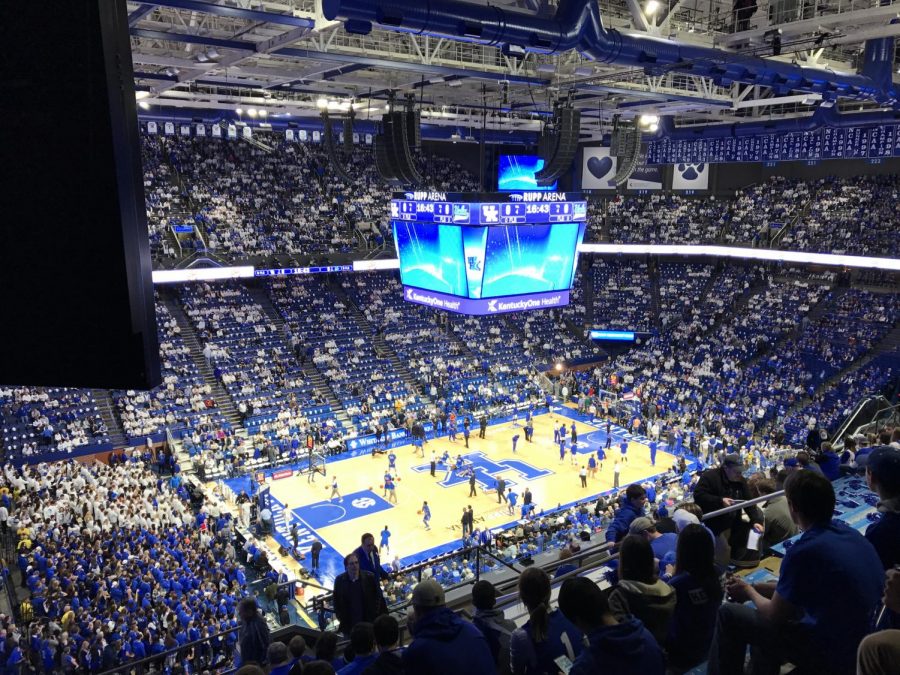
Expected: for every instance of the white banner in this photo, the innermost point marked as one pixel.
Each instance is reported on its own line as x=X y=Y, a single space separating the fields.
x=289 y=135
x=216 y=131
x=232 y=131
x=185 y=129
x=368 y=139
x=355 y=138
x=303 y=135
x=690 y=177
x=597 y=169
x=170 y=128
x=317 y=136
x=247 y=132
x=151 y=128
x=201 y=130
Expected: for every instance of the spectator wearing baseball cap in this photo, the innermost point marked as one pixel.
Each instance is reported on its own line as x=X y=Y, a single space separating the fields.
x=663 y=545
x=883 y=478
x=720 y=487
x=443 y=643
x=279 y=660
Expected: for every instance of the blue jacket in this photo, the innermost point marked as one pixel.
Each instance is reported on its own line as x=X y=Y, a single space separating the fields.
x=623 y=649
x=885 y=537
x=618 y=528
x=444 y=644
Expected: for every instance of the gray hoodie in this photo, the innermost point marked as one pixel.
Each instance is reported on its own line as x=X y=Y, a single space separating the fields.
x=653 y=604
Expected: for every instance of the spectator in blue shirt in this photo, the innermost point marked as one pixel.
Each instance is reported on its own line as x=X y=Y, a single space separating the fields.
x=661 y=544
x=362 y=640
x=821 y=607
x=632 y=507
x=883 y=478
x=547 y=634
x=443 y=643
x=698 y=588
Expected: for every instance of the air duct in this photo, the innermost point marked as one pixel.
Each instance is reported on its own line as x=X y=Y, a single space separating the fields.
x=578 y=25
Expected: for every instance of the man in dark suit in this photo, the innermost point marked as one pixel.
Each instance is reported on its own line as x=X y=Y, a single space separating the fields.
x=357 y=596
x=369 y=560
x=472 y=479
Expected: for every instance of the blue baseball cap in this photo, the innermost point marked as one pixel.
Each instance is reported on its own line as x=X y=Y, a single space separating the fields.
x=884 y=465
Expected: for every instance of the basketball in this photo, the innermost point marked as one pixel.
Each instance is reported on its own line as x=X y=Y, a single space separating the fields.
x=419 y=512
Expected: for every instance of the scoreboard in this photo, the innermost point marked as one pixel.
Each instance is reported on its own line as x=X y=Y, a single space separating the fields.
x=481 y=253
x=872 y=142
x=488 y=213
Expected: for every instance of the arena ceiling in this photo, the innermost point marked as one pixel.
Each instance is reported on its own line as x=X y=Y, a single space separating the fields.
x=286 y=59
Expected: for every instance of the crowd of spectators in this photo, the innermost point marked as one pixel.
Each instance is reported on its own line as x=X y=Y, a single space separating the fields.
x=183 y=400
x=854 y=216
x=119 y=565
x=38 y=420
x=283 y=199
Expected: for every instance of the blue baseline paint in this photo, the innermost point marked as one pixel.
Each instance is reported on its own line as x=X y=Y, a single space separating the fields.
x=326 y=513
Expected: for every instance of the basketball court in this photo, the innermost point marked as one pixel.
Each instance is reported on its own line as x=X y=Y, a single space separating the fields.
x=364 y=507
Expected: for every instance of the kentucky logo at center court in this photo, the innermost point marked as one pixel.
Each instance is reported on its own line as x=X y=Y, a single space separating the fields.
x=486 y=471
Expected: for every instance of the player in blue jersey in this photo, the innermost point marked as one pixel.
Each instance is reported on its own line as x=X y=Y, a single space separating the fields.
x=385 y=547
x=573 y=452
x=608 y=433
x=387 y=478
x=623 y=448
x=426 y=515
x=592 y=466
x=515 y=439
x=562 y=449
x=451 y=431
x=391 y=488
x=555 y=434
x=511 y=498
x=392 y=462
x=601 y=456
x=653 y=447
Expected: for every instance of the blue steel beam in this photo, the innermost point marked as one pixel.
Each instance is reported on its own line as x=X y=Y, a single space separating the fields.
x=343 y=70
x=238 y=13
x=140 y=13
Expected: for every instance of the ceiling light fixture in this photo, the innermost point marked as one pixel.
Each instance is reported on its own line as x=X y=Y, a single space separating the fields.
x=144 y=105
x=322 y=103
x=251 y=112
x=651 y=8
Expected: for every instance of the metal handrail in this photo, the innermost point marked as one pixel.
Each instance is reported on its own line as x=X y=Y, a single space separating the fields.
x=742 y=505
